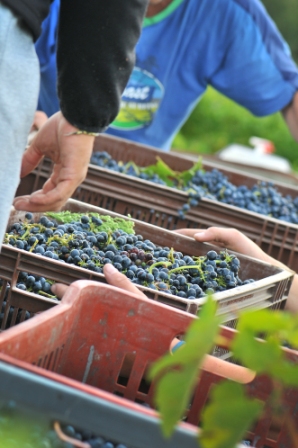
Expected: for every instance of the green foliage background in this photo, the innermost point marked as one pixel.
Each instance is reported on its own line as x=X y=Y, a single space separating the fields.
x=217 y=121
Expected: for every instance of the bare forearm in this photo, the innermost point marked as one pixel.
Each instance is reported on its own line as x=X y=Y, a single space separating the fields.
x=290 y=114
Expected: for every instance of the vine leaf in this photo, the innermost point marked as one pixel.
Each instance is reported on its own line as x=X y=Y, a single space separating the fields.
x=186 y=176
x=176 y=375
x=170 y=177
x=284 y=325
x=266 y=356
x=162 y=170
x=229 y=415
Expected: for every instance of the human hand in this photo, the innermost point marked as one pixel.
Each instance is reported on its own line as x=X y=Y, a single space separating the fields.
x=290 y=115
x=230 y=239
x=113 y=278
x=71 y=155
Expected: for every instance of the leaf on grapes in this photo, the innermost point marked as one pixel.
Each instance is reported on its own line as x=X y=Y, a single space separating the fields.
x=131 y=166
x=162 y=170
x=227 y=417
x=186 y=176
x=177 y=374
x=109 y=224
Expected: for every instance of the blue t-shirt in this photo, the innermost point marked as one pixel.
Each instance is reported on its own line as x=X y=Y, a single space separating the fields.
x=45 y=47
x=232 y=45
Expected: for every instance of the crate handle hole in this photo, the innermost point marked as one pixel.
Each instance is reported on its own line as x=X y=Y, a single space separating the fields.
x=126 y=368
x=176 y=343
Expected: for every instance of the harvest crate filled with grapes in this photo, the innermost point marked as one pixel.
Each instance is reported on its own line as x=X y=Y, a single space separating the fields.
x=170 y=268
x=131 y=334
x=170 y=191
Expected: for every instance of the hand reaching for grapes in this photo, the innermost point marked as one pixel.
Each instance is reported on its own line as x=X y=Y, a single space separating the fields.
x=230 y=239
x=70 y=154
x=113 y=277
x=234 y=240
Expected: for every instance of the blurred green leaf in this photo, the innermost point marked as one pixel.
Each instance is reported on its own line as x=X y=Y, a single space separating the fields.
x=185 y=176
x=163 y=170
x=268 y=321
x=256 y=355
x=267 y=356
x=177 y=374
x=228 y=416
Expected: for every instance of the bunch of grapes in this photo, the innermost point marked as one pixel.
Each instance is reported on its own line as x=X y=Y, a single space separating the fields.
x=11 y=309
x=26 y=282
x=84 y=244
x=263 y=198
x=35 y=283
x=90 y=438
x=104 y=160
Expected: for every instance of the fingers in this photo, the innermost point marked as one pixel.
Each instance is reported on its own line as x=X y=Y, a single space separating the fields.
x=116 y=278
x=188 y=232
x=59 y=289
x=31 y=158
x=219 y=236
x=113 y=277
x=232 y=239
x=71 y=156
x=51 y=198
x=26 y=203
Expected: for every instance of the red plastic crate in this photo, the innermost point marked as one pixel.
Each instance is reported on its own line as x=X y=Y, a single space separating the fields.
x=159 y=205
x=85 y=340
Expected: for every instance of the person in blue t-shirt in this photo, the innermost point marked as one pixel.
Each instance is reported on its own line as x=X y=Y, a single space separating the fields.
x=186 y=45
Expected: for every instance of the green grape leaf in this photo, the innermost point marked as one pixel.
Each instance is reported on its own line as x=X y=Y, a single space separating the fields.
x=170 y=177
x=176 y=375
x=129 y=165
x=267 y=321
x=256 y=355
x=162 y=170
x=283 y=325
x=228 y=416
x=264 y=357
x=186 y=176
x=109 y=224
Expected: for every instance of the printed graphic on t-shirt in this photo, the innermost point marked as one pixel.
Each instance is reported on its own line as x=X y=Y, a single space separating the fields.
x=140 y=101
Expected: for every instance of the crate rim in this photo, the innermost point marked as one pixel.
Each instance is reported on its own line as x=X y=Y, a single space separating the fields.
x=12 y=368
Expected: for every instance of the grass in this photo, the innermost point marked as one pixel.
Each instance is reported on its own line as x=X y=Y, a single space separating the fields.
x=217 y=122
